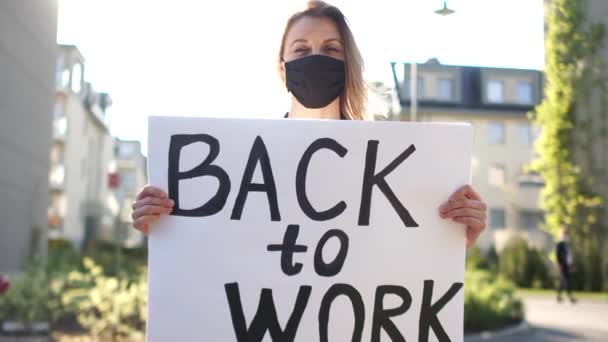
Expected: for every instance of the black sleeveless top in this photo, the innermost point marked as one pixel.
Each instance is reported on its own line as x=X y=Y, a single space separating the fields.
x=342 y=117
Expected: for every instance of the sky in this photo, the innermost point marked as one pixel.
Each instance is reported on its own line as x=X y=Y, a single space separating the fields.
x=218 y=58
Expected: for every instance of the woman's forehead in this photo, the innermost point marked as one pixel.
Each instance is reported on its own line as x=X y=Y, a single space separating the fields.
x=313 y=28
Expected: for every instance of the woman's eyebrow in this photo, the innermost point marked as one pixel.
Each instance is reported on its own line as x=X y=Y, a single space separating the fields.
x=333 y=40
x=301 y=40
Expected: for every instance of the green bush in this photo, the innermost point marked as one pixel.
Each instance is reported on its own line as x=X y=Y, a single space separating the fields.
x=119 y=261
x=62 y=257
x=75 y=291
x=478 y=259
x=525 y=266
x=110 y=308
x=29 y=298
x=489 y=302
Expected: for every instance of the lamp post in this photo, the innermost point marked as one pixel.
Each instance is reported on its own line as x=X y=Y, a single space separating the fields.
x=445 y=10
x=414 y=72
x=414 y=91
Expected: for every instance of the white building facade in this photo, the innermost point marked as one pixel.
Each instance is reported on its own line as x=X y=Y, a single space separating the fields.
x=81 y=205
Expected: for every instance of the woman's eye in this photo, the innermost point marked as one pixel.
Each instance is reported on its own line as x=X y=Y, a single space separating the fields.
x=332 y=49
x=301 y=49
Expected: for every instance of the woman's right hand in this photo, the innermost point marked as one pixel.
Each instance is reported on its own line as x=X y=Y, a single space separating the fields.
x=150 y=204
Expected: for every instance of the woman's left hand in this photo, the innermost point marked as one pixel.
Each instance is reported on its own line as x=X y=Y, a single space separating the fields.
x=466 y=206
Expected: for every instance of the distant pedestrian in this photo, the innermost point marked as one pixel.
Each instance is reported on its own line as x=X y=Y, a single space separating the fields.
x=563 y=252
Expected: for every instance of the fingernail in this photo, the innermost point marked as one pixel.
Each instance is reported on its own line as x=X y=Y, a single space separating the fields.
x=171 y=202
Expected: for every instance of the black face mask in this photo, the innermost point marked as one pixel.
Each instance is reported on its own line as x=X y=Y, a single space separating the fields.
x=315 y=80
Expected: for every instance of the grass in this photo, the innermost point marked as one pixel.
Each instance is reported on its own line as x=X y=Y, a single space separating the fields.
x=552 y=293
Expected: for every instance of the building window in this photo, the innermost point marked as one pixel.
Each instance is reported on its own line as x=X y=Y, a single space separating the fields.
x=530 y=219
x=535 y=133
x=498 y=218
x=495 y=91
x=496 y=133
x=524 y=92
x=59 y=111
x=59 y=72
x=128 y=181
x=77 y=78
x=524 y=134
x=126 y=151
x=496 y=175
x=57 y=175
x=60 y=127
x=529 y=178
x=65 y=78
x=444 y=89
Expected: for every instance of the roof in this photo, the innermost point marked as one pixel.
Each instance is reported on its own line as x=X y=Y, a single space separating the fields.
x=471 y=89
x=73 y=49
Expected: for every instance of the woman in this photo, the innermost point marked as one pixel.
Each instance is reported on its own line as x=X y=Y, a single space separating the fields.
x=323 y=70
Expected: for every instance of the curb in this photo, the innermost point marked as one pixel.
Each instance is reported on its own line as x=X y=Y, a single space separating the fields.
x=486 y=335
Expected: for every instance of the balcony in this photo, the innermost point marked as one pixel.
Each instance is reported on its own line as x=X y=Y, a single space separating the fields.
x=57 y=177
x=60 y=128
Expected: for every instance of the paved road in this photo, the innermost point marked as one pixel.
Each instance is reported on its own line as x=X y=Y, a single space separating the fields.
x=586 y=320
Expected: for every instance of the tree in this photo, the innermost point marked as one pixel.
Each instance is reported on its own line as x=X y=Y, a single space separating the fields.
x=573 y=117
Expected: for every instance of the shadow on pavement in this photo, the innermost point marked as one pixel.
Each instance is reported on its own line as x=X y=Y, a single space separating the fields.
x=540 y=334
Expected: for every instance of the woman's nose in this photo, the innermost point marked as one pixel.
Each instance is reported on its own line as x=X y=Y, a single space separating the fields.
x=316 y=51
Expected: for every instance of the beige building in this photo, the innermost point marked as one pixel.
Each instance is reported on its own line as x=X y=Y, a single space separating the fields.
x=27 y=62
x=128 y=177
x=81 y=206
x=495 y=102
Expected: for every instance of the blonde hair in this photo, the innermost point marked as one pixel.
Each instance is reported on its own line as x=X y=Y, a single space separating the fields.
x=354 y=98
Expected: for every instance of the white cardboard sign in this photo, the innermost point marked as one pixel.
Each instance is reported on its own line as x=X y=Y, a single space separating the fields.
x=306 y=230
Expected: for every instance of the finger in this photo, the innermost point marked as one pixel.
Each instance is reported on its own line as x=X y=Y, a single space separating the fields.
x=145 y=229
x=144 y=221
x=462 y=203
x=470 y=222
x=150 y=210
x=466 y=191
x=472 y=235
x=162 y=202
x=150 y=190
x=473 y=230
x=464 y=212
x=471 y=238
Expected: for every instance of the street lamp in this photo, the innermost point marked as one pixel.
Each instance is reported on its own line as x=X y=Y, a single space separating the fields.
x=445 y=10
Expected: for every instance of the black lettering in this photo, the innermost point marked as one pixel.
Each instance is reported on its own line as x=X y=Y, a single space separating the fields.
x=358 y=309
x=287 y=249
x=302 y=170
x=217 y=202
x=382 y=317
x=331 y=269
x=265 y=317
x=428 y=312
x=258 y=155
x=371 y=179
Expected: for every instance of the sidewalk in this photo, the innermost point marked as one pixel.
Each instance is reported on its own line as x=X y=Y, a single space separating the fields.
x=550 y=321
